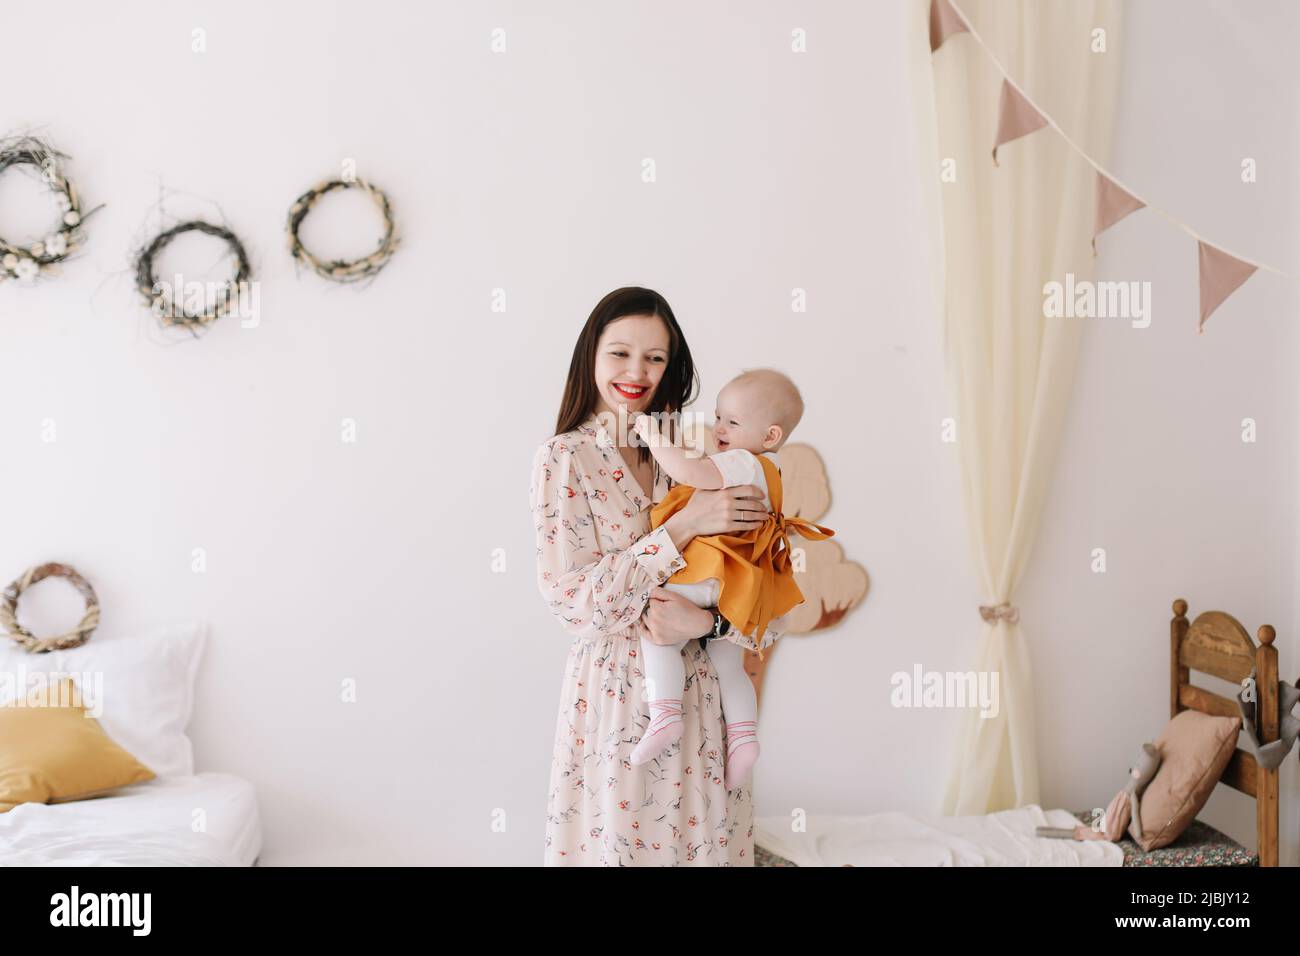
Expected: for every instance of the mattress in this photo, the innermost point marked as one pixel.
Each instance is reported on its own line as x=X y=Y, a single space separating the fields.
x=1004 y=838
x=208 y=819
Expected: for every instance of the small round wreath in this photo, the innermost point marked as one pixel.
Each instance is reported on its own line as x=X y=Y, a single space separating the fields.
x=26 y=263
x=340 y=270
x=40 y=645
x=163 y=303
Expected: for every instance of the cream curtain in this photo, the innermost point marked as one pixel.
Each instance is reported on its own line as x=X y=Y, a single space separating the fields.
x=1007 y=230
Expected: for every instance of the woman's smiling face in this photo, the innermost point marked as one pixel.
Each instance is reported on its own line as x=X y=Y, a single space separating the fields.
x=630 y=360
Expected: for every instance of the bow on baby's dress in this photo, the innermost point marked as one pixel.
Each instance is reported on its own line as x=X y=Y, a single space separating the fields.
x=771 y=554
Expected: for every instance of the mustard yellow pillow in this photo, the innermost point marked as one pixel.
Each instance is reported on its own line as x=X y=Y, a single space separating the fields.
x=53 y=752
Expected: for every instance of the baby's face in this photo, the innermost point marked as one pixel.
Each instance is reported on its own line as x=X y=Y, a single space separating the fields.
x=741 y=419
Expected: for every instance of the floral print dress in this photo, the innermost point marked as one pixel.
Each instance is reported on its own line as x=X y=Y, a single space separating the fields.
x=597 y=562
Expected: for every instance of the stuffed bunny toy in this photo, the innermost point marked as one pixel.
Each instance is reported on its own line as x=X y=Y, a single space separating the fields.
x=1270 y=755
x=1122 y=809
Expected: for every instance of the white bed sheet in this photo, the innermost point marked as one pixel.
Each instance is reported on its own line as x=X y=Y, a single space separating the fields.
x=1004 y=838
x=146 y=824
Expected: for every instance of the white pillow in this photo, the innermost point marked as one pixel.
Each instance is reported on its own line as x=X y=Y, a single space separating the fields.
x=140 y=687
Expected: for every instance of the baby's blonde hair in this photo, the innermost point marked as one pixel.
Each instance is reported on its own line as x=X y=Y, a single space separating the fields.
x=785 y=404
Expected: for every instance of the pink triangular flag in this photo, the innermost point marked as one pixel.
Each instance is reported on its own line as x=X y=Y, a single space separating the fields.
x=1221 y=275
x=944 y=22
x=1113 y=204
x=1016 y=117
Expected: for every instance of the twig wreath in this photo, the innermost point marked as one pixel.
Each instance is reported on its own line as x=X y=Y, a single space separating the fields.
x=165 y=304
x=340 y=270
x=40 y=645
x=26 y=263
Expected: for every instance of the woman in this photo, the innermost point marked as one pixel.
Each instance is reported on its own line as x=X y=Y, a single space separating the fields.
x=599 y=568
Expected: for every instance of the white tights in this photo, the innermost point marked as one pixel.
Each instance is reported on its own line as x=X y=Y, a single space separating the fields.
x=665 y=676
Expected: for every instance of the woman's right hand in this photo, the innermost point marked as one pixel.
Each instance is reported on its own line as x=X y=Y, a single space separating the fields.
x=671 y=618
x=725 y=511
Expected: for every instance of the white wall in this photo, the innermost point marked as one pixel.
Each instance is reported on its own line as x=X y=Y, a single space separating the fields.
x=521 y=171
x=1153 y=467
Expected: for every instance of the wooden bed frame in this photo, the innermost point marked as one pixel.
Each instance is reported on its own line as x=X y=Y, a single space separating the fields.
x=1216 y=643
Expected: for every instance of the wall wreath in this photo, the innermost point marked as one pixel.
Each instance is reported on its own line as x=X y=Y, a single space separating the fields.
x=40 y=645
x=26 y=263
x=171 y=305
x=340 y=270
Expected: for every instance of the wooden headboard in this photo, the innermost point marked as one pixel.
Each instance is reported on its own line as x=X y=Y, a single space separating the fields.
x=1216 y=643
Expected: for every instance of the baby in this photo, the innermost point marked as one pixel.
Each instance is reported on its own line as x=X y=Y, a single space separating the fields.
x=746 y=574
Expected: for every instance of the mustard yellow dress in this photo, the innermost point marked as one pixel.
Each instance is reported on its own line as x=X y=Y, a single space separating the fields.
x=752 y=567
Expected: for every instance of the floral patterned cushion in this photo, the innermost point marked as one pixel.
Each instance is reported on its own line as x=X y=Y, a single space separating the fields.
x=764 y=857
x=1199 y=845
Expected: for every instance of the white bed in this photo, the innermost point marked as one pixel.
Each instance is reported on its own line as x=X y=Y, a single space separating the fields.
x=1005 y=838
x=147 y=824
x=140 y=685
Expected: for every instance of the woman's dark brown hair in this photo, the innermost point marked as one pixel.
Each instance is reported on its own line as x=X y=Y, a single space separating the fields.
x=678 y=387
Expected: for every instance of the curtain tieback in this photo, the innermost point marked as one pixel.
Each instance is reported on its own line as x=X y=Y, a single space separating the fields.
x=1001 y=611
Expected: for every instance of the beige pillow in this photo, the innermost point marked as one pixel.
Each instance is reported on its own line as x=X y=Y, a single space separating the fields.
x=1194 y=748
x=53 y=752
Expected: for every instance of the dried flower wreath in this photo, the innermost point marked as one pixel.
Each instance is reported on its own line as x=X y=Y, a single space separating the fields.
x=26 y=263
x=39 y=645
x=340 y=270
x=165 y=303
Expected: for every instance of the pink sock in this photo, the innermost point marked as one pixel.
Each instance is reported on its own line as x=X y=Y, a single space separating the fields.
x=742 y=752
x=665 y=729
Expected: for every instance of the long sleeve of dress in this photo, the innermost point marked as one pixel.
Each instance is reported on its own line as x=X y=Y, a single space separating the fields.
x=776 y=629
x=591 y=591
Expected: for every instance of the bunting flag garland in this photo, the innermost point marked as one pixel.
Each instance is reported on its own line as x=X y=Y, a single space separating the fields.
x=944 y=22
x=1221 y=272
x=1114 y=202
x=1221 y=275
x=1017 y=117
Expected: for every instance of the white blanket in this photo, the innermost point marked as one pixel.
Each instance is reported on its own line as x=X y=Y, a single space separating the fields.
x=208 y=819
x=1005 y=838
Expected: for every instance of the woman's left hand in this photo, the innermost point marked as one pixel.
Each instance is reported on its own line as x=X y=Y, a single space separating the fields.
x=670 y=618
